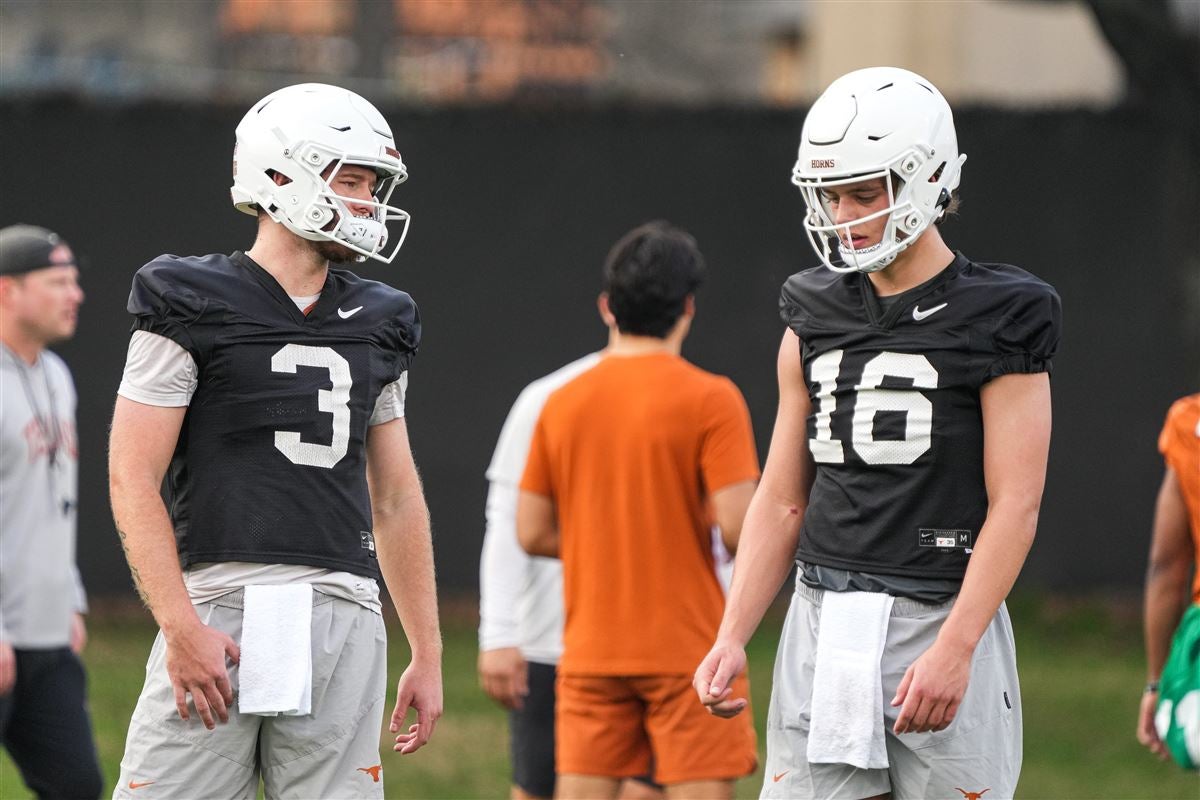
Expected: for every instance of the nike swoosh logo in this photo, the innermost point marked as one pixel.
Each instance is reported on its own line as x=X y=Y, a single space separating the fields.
x=350 y=313
x=919 y=315
x=779 y=777
x=133 y=785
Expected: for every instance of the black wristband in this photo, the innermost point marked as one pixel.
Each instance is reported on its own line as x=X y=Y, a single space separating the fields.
x=1151 y=687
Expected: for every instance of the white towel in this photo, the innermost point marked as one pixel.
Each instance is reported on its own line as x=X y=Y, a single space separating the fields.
x=275 y=672
x=847 y=699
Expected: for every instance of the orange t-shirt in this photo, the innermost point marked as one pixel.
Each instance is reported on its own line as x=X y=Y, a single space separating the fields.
x=1179 y=443
x=629 y=451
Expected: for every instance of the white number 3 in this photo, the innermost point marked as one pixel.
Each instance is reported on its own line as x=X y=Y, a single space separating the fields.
x=869 y=400
x=335 y=401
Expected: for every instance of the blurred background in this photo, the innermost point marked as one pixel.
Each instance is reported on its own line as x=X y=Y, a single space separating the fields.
x=537 y=132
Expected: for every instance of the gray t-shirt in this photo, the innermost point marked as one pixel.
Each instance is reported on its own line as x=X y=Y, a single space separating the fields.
x=39 y=480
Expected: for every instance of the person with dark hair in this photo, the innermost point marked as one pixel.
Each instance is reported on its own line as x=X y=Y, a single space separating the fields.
x=649 y=277
x=905 y=472
x=44 y=721
x=633 y=458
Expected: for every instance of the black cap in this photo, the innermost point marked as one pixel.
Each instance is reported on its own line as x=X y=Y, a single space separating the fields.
x=25 y=248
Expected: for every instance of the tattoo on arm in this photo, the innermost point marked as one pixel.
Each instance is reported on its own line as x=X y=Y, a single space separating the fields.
x=137 y=578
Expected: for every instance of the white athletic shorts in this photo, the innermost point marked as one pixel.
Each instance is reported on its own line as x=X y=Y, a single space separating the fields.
x=331 y=753
x=980 y=751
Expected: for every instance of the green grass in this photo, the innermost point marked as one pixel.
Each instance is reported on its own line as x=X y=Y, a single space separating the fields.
x=1081 y=674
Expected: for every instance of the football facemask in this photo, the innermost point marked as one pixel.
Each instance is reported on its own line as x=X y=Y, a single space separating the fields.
x=874 y=123
x=306 y=133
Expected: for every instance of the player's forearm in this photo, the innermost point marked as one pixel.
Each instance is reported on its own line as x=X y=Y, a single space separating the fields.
x=1165 y=602
x=765 y=553
x=1000 y=551
x=405 y=547
x=148 y=539
x=1172 y=554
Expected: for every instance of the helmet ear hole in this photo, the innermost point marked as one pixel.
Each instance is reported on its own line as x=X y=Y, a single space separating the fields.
x=279 y=178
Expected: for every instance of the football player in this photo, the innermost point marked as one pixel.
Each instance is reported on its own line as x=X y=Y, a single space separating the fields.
x=904 y=476
x=268 y=388
x=1169 y=717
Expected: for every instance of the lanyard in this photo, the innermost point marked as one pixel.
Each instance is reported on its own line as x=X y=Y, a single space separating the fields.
x=48 y=421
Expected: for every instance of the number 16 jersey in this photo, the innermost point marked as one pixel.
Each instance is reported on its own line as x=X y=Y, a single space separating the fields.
x=896 y=429
x=270 y=465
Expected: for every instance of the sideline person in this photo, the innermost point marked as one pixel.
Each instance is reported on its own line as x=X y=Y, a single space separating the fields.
x=45 y=724
x=631 y=463
x=1169 y=715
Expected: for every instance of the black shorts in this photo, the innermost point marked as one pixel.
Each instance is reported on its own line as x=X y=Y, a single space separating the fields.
x=46 y=727
x=531 y=736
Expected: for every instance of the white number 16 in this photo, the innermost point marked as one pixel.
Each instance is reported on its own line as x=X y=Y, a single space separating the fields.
x=869 y=400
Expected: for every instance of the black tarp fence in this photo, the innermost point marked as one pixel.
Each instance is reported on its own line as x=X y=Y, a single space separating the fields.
x=514 y=211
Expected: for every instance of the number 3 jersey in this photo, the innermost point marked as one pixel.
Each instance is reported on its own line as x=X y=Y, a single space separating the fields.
x=270 y=466
x=896 y=429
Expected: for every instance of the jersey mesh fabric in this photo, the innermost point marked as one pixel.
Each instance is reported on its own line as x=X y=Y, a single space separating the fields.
x=1179 y=443
x=628 y=451
x=896 y=429
x=270 y=464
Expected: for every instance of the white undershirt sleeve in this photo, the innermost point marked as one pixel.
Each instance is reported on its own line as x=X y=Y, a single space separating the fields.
x=158 y=371
x=390 y=403
x=502 y=567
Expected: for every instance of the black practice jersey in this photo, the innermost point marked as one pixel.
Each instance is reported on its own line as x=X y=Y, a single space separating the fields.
x=271 y=461
x=896 y=429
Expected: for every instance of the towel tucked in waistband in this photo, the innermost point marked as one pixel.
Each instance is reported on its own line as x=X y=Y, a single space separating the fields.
x=847 y=724
x=275 y=671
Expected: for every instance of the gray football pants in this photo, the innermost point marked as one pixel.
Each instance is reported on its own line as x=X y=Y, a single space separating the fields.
x=979 y=751
x=331 y=753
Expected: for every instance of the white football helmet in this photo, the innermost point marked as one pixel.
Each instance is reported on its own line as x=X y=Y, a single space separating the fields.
x=306 y=133
x=880 y=122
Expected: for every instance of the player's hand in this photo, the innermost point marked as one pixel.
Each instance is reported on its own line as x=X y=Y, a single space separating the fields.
x=504 y=675
x=931 y=690
x=196 y=666
x=1147 y=734
x=421 y=688
x=8 y=668
x=79 y=635
x=713 y=678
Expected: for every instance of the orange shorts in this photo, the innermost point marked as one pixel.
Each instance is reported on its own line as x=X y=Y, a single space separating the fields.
x=611 y=725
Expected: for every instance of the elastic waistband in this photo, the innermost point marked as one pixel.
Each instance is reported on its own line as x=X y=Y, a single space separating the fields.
x=901 y=606
x=237 y=599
